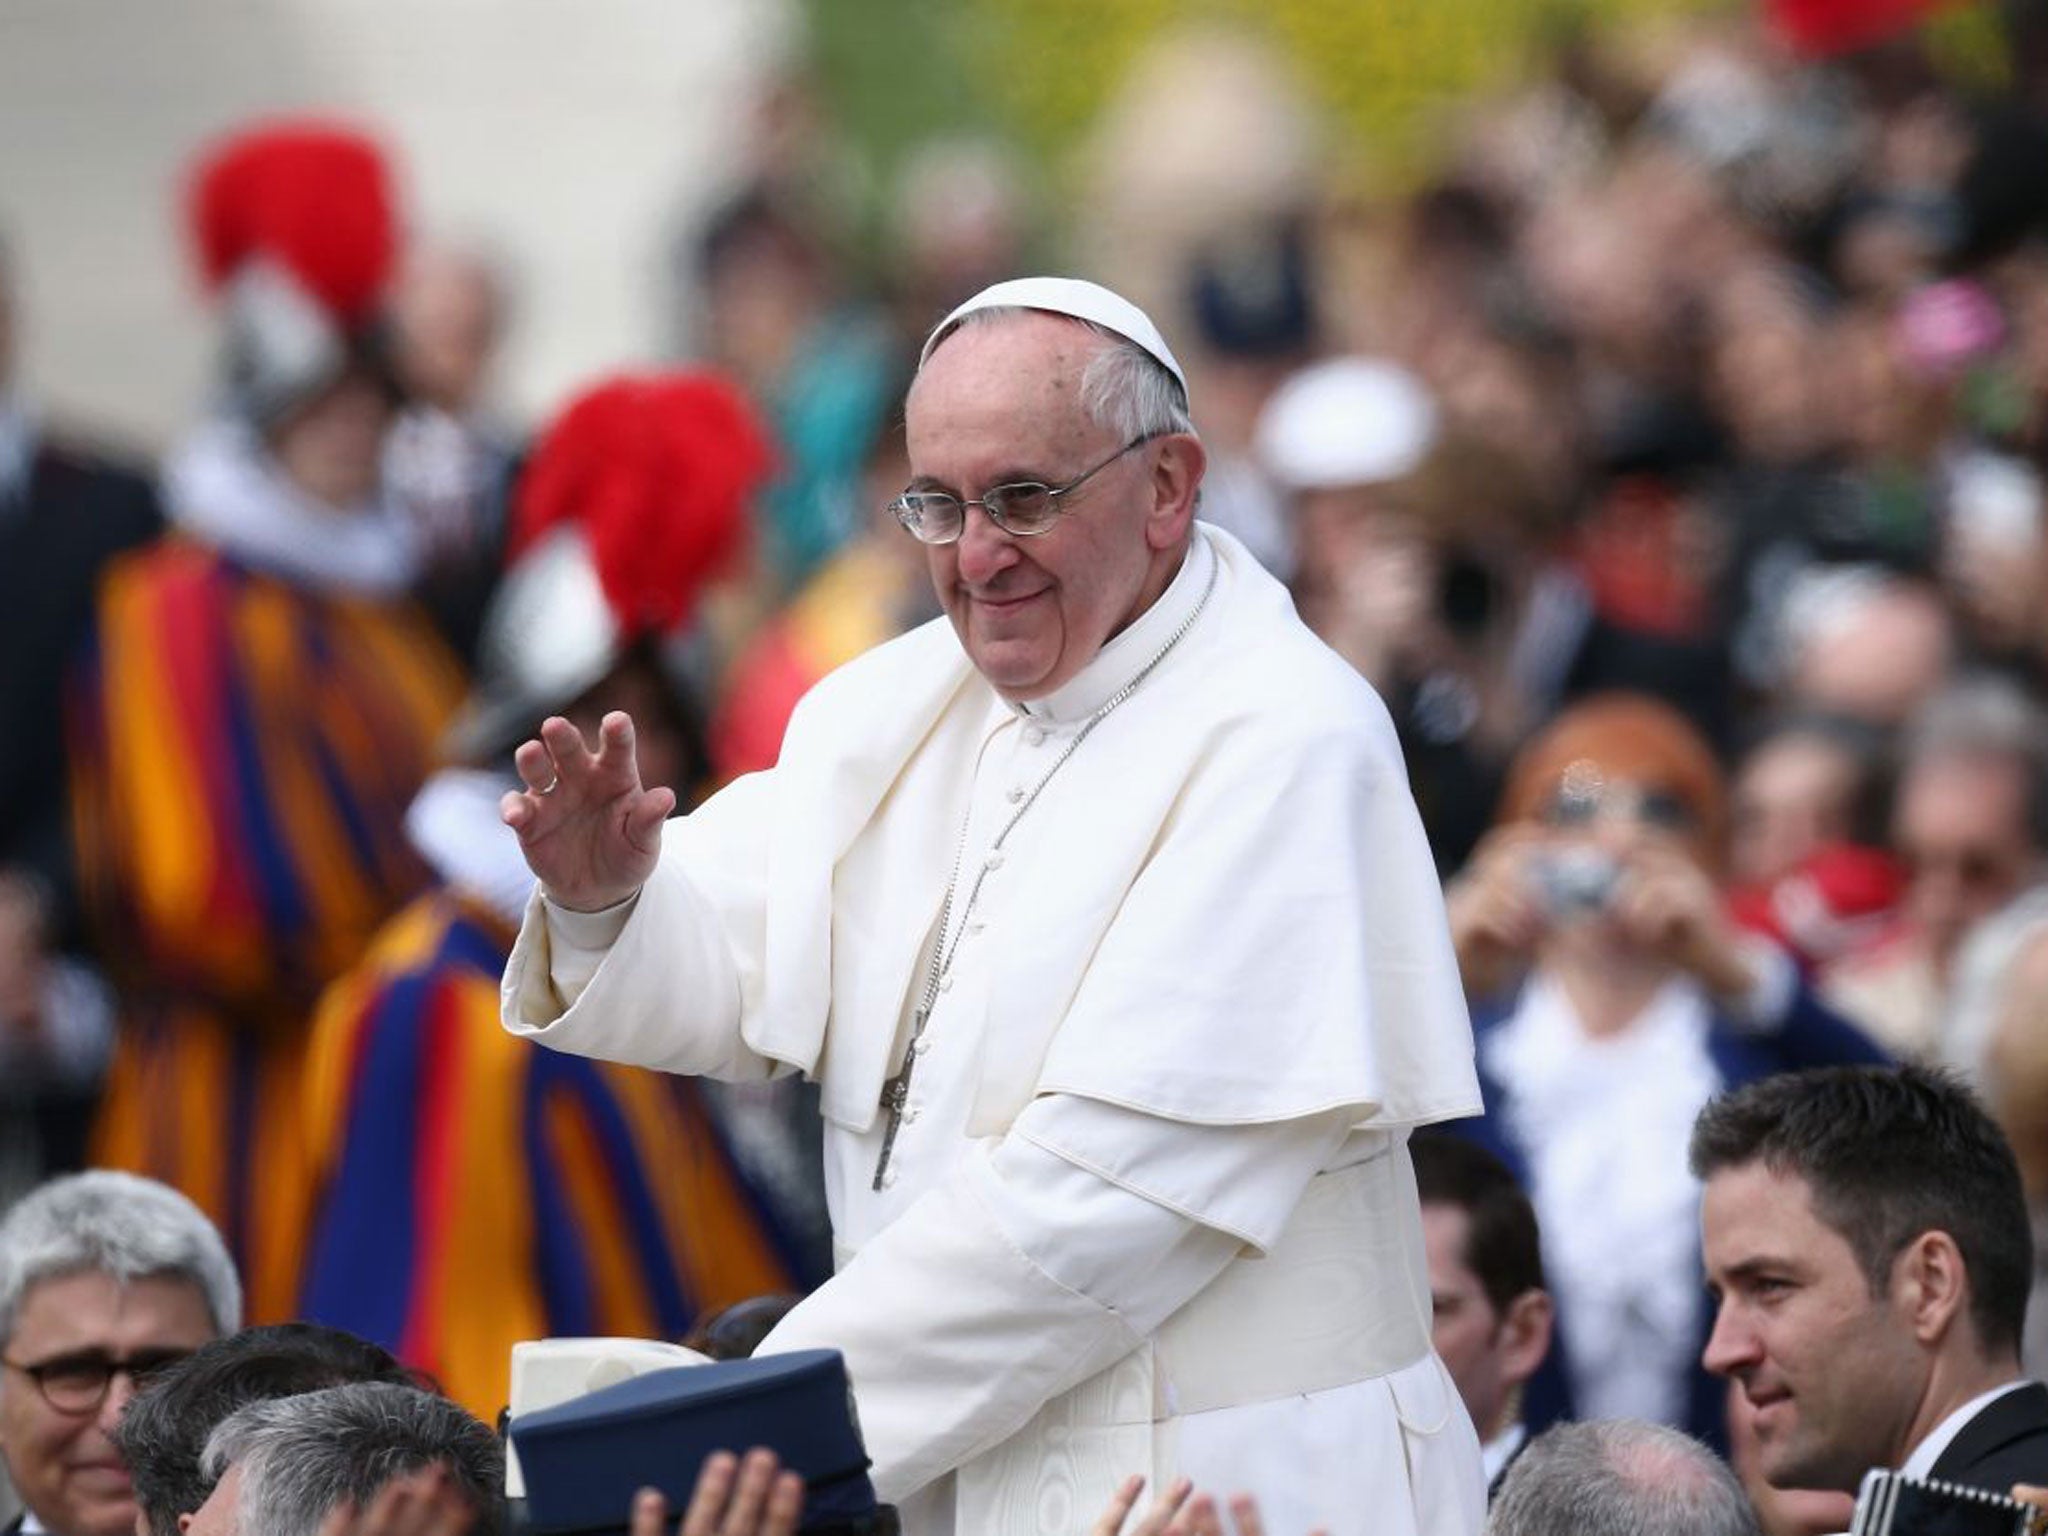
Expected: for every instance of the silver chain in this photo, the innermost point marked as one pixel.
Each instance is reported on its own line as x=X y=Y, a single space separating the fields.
x=944 y=951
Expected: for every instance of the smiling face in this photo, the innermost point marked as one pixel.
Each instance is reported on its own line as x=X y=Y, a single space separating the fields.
x=64 y=1465
x=1833 y=1374
x=1001 y=403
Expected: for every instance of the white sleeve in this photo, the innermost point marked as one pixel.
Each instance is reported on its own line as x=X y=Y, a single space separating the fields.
x=655 y=981
x=578 y=943
x=1026 y=1273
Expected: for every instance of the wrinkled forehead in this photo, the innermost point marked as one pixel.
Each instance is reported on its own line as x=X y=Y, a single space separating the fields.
x=1026 y=370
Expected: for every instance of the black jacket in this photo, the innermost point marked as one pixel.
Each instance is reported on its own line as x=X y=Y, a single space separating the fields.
x=78 y=512
x=2006 y=1443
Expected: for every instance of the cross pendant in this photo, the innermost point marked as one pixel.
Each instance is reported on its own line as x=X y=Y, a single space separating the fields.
x=895 y=1096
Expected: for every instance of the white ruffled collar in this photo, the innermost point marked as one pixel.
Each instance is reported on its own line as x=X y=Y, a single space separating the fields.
x=454 y=823
x=222 y=487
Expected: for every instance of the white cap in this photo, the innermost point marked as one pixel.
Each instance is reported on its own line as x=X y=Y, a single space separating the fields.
x=1349 y=421
x=550 y=1371
x=1066 y=296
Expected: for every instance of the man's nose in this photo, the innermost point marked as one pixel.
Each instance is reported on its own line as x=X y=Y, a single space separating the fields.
x=120 y=1392
x=1731 y=1346
x=985 y=550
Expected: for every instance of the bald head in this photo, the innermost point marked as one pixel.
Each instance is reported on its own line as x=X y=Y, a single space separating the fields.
x=1619 y=1477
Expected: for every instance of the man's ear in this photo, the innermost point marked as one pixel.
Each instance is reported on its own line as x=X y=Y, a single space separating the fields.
x=1176 y=479
x=1525 y=1332
x=184 y=1524
x=1930 y=1278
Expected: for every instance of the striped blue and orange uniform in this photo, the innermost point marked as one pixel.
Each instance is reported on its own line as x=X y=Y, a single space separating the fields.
x=478 y=1189
x=245 y=748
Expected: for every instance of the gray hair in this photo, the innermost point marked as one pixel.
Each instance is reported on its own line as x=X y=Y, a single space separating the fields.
x=1985 y=716
x=1124 y=387
x=113 y=1224
x=303 y=1457
x=1619 y=1477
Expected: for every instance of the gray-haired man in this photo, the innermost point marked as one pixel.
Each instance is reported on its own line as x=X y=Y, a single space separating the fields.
x=1619 y=1477
x=290 y=1466
x=104 y=1279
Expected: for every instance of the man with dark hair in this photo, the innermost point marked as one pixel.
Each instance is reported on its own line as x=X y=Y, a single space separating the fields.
x=1492 y=1315
x=164 y=1431
x=1868 y=1248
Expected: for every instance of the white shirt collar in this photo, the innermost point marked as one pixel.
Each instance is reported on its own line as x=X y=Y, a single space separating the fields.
x=222 y=487
x=455 y=825
x=1120 y=660
x=1500 y=1450
x=1928 y=1451
x=31 y=1526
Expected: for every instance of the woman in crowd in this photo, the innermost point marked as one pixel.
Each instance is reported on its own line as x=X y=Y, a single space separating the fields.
x=1611 y=998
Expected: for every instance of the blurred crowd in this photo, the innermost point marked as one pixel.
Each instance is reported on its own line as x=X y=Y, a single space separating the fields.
x=1671 y=460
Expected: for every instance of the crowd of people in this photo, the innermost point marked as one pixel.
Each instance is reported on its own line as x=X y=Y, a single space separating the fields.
x=1671 y=464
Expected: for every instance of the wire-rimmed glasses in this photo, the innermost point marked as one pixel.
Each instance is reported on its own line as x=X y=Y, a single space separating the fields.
x=1022 y=509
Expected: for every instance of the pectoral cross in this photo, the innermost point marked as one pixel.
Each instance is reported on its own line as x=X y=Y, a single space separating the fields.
x=896 y=1096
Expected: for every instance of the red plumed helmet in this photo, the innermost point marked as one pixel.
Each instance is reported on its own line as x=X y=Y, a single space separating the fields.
x=312 y=198
x=636 y=497
x=1822 y=28
x=659 y=472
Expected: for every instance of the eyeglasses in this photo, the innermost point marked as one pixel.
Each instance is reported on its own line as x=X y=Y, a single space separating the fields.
x=79 y=1383
x=1023 y=510
x=1586 y=796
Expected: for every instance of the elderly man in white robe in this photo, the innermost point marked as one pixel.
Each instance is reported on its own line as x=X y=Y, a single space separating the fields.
x=1102 y=915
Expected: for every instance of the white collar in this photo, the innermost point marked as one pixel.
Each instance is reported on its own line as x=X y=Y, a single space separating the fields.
x=1500 y=1450
x=31 y=1526
x=1928 y=1451
x=454 y=823
x=1121 y=659
x=223 y=487
x=17 y=449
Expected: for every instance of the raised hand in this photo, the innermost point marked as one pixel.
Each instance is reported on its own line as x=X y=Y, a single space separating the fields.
x=732 y=1498
x=422 y=1503
x=1669 y=906
x=1496 y=909
x=590 y=832
x=1179 y=1511
x=1154 y=1521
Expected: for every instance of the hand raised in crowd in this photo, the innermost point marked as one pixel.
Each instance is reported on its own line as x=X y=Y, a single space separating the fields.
x=1496 y=909
x=1670 y=907
x=423 y=1503
x=2037 y=1500
x=732 y=1498
x=1179 y=1511
x=589 y=830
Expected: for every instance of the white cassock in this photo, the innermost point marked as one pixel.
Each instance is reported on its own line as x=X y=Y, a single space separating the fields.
x=1151 y=1208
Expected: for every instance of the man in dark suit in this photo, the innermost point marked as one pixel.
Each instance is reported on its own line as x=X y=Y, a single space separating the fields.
x=1491 y=1315
x=1868 y=1250
x=65 y=511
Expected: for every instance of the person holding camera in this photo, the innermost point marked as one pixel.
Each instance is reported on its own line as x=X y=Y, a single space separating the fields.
x=1611 y=998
